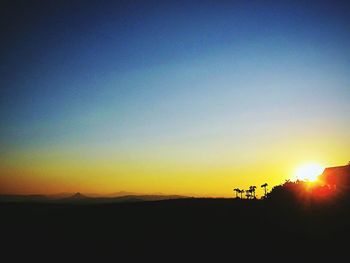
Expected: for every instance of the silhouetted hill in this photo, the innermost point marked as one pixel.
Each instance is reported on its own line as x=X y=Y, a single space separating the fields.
x=186 y=228
x=121 y=193
x=78 y=196
x=81 y=198
x=119 y=199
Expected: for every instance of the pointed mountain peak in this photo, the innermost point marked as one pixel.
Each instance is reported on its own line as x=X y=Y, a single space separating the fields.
x=78 y=195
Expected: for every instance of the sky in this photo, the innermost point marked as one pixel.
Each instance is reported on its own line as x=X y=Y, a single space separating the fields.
x=169 y=96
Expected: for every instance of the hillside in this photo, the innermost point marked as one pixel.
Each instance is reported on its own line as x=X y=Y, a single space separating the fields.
x=194 y=228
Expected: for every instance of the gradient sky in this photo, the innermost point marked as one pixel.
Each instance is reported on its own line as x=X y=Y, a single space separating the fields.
x=180 y=98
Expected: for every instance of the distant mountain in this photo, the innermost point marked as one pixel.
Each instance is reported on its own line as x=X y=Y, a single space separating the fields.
x=78 y=196
x=81 y=198
x=133 y=198
x=126 y=193
x=121 y=193
x=60 y=195
x=121 y=199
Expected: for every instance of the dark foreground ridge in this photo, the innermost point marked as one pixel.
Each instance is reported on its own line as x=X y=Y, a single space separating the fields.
x=174 y=229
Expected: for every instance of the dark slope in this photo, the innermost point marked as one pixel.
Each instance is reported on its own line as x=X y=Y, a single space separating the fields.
x=181 y=229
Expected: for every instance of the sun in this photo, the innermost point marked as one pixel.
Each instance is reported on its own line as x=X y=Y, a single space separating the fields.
x=308 y=172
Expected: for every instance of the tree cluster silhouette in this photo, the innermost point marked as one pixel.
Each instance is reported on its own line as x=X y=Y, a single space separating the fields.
x=250 y=193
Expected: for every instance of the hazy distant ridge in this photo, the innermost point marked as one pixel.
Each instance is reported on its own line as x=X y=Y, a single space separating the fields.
x=82 y=198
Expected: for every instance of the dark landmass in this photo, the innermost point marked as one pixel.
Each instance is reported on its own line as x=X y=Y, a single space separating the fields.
x=84 y=199
x=295 y=222
x=178 y=229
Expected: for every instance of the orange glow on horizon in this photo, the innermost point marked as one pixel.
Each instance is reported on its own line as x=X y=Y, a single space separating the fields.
x=194 y=172
x=308 y=172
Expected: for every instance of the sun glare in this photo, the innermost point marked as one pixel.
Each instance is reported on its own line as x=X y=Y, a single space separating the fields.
x=308 y=172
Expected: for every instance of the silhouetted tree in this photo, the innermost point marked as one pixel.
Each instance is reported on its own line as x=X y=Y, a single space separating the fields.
x=241 y=191
x=290 y=192
x=248 y=193
x=265 y=189
x=252 y=190
x=236 y=190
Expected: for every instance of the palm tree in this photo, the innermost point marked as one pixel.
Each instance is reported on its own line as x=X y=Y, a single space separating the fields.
x=252 y=190
x=265 y=189
x=241 y=191
x=236 y=190
x=248 y=193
